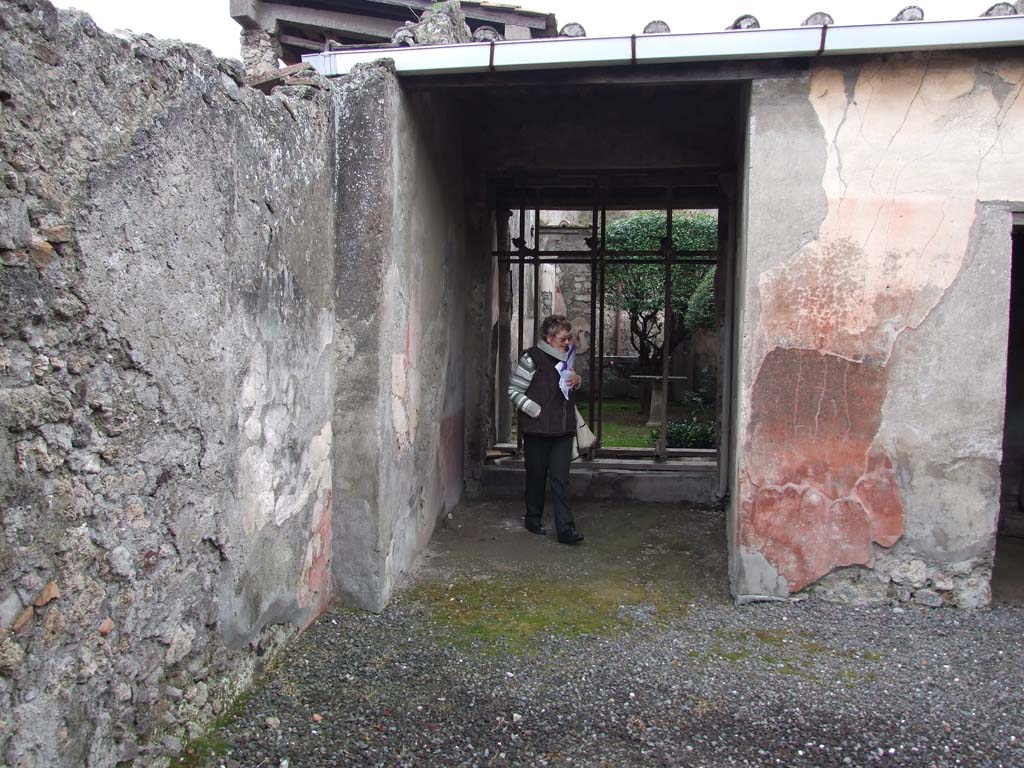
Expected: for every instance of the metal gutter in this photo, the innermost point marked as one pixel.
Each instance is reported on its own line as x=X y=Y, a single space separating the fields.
x=748 y=44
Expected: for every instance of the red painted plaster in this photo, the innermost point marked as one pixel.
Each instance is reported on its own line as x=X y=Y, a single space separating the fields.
x=450 y=457
x=316 y=581
x=816 y=494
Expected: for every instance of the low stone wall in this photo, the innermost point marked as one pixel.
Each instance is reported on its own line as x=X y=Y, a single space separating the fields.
x=166 y=385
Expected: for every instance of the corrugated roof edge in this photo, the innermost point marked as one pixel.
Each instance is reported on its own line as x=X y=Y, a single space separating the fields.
x=743 y=44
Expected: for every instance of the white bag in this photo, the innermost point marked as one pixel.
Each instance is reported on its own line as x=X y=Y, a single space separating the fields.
x=584 y=436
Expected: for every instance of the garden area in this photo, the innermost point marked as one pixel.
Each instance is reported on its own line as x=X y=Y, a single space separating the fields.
x=691 y=424
x=638 y=290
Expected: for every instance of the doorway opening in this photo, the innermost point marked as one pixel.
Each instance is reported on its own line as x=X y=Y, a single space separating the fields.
x=550 y=164
x=1008 y=573
x=634 y=261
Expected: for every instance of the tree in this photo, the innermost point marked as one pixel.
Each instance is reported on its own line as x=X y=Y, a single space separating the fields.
x=640 y=288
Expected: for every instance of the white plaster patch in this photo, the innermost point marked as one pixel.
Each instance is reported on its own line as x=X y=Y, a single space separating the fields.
x=907 y=158
x=413 y=401
x=325 y=333
x=311 y=479
x=398 y=375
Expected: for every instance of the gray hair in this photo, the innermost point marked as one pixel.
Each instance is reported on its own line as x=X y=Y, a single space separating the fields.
x=553 y=324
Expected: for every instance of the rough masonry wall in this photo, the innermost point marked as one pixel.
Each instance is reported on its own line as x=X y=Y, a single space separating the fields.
x=399 y=415
x=166 y=378
x=874 y=309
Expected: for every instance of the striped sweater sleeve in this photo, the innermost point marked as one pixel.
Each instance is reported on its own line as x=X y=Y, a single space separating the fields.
x=521 y=379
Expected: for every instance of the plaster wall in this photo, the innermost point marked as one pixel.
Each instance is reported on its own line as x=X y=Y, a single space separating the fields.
x=166 y=385
x=399 y=413
x=873 y=308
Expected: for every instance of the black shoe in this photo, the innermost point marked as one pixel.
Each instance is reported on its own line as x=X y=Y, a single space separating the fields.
x=571 y=536
x=537 y=528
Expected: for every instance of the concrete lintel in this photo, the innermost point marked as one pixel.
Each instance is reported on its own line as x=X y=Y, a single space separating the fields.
x=246 y=12
x=271 y=15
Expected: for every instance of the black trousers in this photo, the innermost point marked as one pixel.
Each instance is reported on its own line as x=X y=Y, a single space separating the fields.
x=548 y=458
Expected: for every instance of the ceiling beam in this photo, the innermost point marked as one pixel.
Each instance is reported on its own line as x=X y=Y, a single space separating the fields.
x=265 y=13
x=478 y=12
x=649 y=74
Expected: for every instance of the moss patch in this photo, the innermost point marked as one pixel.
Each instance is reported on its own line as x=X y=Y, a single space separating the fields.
x=201 y=752
x=795 y=655
x=513 y=614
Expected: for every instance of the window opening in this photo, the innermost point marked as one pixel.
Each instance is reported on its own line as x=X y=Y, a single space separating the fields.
x=629 y=279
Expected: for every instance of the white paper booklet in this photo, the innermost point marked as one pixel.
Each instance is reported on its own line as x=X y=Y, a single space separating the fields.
x=566 y=371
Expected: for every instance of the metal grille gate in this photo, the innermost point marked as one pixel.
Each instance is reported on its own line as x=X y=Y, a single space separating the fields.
x=516 y=253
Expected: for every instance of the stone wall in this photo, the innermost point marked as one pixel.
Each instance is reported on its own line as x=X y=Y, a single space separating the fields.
x=874 y=295
x=399 y=412
x=166 y=385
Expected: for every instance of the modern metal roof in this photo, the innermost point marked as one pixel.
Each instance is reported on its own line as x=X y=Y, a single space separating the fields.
x=737 y=45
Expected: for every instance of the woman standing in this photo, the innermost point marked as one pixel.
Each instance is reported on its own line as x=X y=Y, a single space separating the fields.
x=547 y=420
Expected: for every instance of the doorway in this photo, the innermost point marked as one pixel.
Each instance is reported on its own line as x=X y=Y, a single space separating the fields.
x=1008 y=573
x=644 y=291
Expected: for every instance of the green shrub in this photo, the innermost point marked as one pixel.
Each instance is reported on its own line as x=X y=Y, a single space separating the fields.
x=700 y=311
x=691 y=433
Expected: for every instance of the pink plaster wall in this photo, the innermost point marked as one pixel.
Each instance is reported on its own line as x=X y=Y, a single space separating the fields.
x=912 y=143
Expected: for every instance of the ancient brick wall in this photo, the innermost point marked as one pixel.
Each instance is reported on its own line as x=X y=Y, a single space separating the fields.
x=870 y=399
x=166 y=379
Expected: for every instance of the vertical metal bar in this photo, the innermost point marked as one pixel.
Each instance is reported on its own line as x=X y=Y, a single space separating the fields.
x=592 y=385
x=604 y=254
x=600 y=322
x=522 y=280
x=505 y=289
x=537 y=304
x=725 y=278
x=661 y=453
x=522 y=297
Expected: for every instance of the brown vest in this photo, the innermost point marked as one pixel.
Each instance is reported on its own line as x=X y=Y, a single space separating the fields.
x=557 y=415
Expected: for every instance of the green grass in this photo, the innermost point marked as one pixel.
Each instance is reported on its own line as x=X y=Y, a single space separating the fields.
x=625 y=422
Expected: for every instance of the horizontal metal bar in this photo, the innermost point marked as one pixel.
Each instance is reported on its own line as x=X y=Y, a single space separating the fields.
x=647 y=262
x=587 y=254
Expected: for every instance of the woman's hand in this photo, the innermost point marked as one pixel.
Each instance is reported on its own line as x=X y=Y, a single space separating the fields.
x=575 y=381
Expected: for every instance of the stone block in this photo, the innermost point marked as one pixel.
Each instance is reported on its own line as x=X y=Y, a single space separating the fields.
x=50 y=592
x=12 y=655
x=928 y=598
x=973 y=592
x=10 y=607
x=40 y=253
x=913 y=573
x=32 y=406
x=15 y=227
x=23 y=619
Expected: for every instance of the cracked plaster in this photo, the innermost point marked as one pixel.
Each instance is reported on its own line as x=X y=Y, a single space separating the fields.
x=911 y=144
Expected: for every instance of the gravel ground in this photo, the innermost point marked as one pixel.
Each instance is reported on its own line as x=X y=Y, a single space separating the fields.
x=508 y=649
